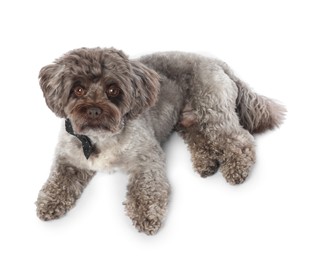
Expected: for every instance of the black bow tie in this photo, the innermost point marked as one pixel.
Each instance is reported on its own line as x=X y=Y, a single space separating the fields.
x=88 y=148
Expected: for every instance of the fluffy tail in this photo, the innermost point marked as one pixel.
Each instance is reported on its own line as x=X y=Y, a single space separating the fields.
x=257 y=113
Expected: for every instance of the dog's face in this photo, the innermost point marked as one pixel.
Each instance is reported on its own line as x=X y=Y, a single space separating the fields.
x=98 y=89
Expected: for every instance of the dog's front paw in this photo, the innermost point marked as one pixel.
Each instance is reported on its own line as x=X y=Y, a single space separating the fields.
x=49 y=208
x=150 y=224
x=146 y=218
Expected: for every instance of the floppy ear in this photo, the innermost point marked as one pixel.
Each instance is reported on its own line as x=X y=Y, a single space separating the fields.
x=146 y=88
x=51 y=82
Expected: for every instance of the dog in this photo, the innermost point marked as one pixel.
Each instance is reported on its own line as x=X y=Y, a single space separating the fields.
x=118 y=111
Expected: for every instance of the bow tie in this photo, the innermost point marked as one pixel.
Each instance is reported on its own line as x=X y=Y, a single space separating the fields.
x=88 y=148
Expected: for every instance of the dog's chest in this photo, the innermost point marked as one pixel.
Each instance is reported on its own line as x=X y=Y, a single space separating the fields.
x=103 y=160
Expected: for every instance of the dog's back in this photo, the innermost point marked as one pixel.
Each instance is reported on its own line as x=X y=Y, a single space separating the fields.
x=257 y=113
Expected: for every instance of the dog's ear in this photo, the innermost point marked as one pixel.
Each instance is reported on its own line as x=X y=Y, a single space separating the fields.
x=51 y=79
x=146 y=88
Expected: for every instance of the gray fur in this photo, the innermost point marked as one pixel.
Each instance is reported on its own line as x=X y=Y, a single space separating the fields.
x=199 y=97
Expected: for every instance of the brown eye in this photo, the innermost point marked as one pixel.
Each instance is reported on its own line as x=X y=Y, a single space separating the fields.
x=79 y=91
x=113 y=90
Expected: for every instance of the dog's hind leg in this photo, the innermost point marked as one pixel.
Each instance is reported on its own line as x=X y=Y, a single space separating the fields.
x=211 y=128
x=204 y=156
x=210 y=148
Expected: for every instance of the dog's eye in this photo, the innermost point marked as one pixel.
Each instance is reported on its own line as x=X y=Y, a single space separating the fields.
x=113 y=90
x=79 y=91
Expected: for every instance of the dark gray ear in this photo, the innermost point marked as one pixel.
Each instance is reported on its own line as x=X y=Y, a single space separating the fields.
x=146 y=88
x=51 y=81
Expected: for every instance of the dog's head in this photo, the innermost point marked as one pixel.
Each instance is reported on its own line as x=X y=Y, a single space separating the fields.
x=98 y=89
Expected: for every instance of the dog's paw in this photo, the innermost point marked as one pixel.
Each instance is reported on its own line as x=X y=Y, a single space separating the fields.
x=235 y=177
x=236 y=170
x=147 y=218
x=236 y=167
x=150 y=225
x=49 y=208
x=207 y=168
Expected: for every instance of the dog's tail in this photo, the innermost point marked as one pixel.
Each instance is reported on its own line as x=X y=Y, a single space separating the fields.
x=257 y=113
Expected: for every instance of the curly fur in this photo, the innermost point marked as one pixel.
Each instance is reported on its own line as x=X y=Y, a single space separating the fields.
x=199 y=97
x=256 y=113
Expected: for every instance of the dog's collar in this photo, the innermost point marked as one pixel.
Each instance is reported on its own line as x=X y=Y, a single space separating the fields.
x=87 y=146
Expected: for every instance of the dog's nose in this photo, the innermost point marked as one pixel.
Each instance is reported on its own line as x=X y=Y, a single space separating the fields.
x=94 y=112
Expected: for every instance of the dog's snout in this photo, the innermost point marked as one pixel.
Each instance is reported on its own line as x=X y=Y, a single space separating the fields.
x=94 y=112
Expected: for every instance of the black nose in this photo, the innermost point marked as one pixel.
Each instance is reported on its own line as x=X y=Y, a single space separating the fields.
x=94 y=112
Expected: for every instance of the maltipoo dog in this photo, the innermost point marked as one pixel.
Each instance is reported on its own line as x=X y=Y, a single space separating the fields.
x=119 y=111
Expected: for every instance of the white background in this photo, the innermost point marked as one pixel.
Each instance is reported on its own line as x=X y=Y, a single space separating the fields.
x=275 y=46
